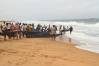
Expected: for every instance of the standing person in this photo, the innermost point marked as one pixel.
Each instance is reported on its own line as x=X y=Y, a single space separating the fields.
x=20 y=30
x=24 y=29
x=12 y=29
x=64 y=29
x=8 y=25
x=71 y=29
x=1 y=29
x=60 y=29
x=49 y=30
x=17 y=30
x=4 y=31
x=31 y=30
x=67 y=28
x=44 y=28
x=38 y=28
x=33 y=27
x=53 y=32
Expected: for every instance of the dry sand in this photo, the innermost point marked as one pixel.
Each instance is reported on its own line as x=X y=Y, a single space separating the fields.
x=44 y=52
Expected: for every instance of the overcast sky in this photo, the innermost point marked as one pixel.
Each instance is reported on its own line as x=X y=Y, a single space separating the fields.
x=48 y=9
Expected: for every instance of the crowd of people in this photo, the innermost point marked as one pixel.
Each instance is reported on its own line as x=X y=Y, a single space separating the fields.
x=18 y=30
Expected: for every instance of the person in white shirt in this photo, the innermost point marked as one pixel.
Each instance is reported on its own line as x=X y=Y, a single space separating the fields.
x=53 y=32
x=23 y=29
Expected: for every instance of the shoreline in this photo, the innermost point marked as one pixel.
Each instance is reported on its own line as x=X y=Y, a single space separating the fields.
x=86 y=49
x=68 y=39
x=44 y=52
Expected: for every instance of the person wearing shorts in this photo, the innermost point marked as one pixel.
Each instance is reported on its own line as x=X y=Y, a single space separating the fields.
x=53 y=32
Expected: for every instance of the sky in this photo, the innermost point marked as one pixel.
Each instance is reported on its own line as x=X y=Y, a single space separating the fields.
x=48 y=9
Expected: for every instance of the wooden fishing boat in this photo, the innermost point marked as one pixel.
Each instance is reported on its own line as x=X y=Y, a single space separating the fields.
x=38 y=34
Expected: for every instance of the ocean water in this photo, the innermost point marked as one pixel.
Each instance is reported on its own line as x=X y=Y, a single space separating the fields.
x=85 y=34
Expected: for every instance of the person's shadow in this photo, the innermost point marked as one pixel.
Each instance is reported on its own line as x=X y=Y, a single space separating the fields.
x=70 y=40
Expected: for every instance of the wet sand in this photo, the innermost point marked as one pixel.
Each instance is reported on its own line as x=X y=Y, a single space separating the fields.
x=44 y=52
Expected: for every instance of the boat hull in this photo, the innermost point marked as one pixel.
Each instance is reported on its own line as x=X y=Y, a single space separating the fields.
x=38 y=34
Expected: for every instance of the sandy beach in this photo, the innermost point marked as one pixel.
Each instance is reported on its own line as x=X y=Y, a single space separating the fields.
x=44 y=52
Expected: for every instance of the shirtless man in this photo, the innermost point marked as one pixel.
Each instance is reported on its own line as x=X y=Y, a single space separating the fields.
x=71 y=29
